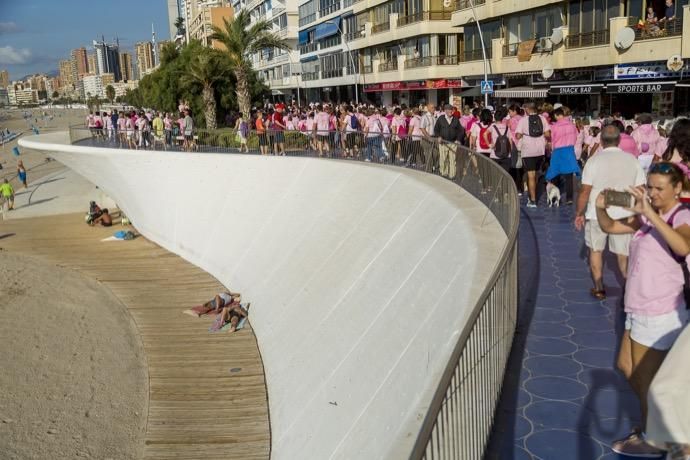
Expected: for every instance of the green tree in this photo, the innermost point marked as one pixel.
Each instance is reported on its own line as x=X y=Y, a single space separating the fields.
x=205 y=72
x=179 y=24
x=110 y=93
x=241 y=40
x=55 y=95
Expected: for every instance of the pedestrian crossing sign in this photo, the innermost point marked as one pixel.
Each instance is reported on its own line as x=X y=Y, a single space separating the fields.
x=487 y=87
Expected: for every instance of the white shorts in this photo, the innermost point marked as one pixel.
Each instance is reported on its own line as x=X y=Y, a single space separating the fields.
x=595 y=239
x=659 y=331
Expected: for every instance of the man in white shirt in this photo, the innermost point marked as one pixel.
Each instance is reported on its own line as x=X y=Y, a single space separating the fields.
x=610 y=168
x=428 y=123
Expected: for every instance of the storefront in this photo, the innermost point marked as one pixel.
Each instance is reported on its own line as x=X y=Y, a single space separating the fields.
x=582 y=98
x=631 y=98
x=413 y=93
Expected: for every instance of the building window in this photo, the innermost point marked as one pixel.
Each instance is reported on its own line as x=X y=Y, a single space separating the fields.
x=530 y=25
x=472 y=43
x=331 y=41
x=328 y=6
x=307 y=13
x=281 y=21
x=587 y=16
x=332 y=65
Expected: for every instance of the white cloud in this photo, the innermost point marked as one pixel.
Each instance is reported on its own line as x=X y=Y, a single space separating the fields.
x=8 y=28
x=9 y=55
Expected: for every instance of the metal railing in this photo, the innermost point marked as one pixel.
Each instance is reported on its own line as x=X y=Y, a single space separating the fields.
x=598 y=37
x=388 y=65
x=427 y=61
x=424 y=16
x=465 y=4
x=664 y=29
x=475 y=55
x=308 y=47
x=383 y=27
x=460 y=415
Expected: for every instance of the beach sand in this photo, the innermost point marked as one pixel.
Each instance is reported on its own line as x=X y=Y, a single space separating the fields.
x=74 y=378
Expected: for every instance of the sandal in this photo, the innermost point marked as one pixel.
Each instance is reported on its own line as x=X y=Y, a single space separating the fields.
x=598 y=294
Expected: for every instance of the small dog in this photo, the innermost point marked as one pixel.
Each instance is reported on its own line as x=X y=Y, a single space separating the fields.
x=553 y=195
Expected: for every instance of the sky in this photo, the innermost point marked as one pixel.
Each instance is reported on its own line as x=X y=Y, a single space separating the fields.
x=36 y=34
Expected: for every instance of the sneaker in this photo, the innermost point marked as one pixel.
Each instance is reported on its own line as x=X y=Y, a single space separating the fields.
x=367 y=160
x=635 y=446
x=531 y=204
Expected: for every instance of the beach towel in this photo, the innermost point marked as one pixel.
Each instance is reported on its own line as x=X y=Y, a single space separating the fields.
x=218 y=325
x=199 y=310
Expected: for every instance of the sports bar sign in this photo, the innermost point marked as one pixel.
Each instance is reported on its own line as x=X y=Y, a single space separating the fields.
x=584 y=89
x=640 y=88
x=413 y=85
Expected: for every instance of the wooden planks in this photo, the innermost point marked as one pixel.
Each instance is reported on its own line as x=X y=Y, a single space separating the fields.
x=207 y=393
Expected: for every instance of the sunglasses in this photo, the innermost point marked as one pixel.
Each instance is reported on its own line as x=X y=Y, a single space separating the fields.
x=662 y=168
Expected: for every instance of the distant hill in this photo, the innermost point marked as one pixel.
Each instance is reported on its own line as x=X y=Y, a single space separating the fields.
x=52 y=73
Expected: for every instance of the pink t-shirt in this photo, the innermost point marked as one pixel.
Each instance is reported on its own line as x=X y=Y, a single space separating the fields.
x=309 y=124
x=475 y=131
x=414 y=127
x=579 y=143
x=661 y=146
x=563 y=133
x=513 y=124
x=628 y=145
x=322 y=120
x=646 y=138
x=531 y=146
x=655 y=280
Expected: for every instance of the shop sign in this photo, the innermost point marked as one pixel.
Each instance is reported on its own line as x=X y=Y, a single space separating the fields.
x=643 y=70
x=413 y=85
x=576 y=89
x=640 y=88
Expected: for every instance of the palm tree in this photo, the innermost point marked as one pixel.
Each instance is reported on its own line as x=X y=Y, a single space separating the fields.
x=110 y=93
x=179 y=24
x=241 y=40
x=205 y=71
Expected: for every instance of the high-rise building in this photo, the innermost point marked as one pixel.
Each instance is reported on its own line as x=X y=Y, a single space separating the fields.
x=175 y=10
x=80 y=63
x=280 y=69
x=93 y=86
x=145 y=58
x=204 y=15
x=65 y=71
x=91 y=60
x=107 y=59
x=4 y=78
x=126 y=67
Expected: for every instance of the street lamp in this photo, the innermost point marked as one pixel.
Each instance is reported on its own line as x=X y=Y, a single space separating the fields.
x=486 y=62
x=352 y=61
x=300 y=79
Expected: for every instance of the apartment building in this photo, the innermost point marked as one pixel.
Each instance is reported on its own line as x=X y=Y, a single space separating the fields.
x=205 y=15
x=4 y=78
x=280 y=70
x=80 y=63
x=145 y=58
x=576 y=51
x=126 y=66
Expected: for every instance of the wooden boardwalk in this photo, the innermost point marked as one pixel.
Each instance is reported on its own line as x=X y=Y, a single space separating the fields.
x=207 y=393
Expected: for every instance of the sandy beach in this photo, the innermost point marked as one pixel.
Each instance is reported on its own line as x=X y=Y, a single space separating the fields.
x=65 y=339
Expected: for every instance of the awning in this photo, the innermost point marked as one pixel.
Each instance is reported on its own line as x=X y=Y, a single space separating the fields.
x=471 y=92
x=327 y=29
x=520 y=91
x=683 y=84
x=303 y=37
x=309 y=59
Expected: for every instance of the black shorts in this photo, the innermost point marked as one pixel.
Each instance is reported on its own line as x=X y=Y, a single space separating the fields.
x=532 y=163
x=263 y=139
x=278 y=137
x=351 y=140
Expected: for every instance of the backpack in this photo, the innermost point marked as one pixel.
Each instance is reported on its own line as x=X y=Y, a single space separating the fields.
x=98 y=123
x=502 y=147
x=536 y=128
x=402 y=128
x=484 y=137
x=354 y=122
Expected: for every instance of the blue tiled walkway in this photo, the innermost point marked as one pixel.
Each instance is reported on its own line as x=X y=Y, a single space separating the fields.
x=562 y=398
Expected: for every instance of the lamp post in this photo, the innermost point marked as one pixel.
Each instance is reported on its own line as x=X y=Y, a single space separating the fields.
x=486 y=62
x=298 y=82
x=352 y=61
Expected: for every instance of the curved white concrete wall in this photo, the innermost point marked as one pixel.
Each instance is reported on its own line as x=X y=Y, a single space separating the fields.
x=360 y=277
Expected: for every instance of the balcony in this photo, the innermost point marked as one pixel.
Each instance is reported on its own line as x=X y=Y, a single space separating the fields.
x=596 y=38
x=308 y=48
x=383 y=27
x=671 y=29
x=475 y=55
x=388 y=66
x=424 y=16
x=465 y=4
x=332 y=73
x=307 y=19
x=368 y=68
x=354 y=35
x=428 y=61
x=329 y=9
x=511 y=49
x=310 y=76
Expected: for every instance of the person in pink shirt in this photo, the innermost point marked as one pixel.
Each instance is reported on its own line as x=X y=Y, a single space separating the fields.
x=646 y=135
x=655 y=302
x=579 y=143
x=532 y=132
x=563 y=161
x=515 y=113
x=415 y=140
x=627 y=144
x=322 y=121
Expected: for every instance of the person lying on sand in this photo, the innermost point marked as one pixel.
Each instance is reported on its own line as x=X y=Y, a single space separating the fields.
x=105 y=219
x=232 y=313
x=215 y=305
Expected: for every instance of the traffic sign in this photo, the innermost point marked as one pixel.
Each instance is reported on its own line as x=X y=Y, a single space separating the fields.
x=487 y=87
